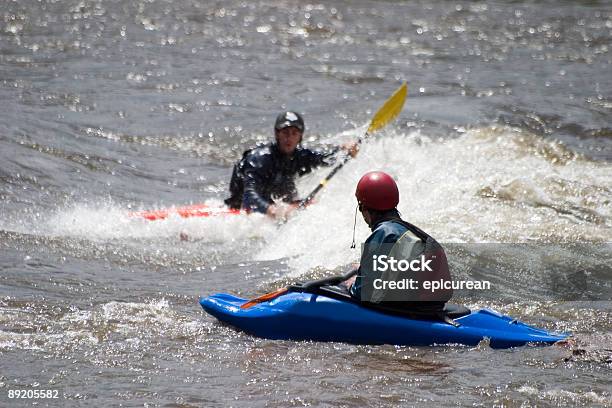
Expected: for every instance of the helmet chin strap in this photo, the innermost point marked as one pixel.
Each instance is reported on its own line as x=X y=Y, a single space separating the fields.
x=354 y=226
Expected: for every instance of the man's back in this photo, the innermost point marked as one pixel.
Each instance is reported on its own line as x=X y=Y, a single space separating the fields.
x=403 y=254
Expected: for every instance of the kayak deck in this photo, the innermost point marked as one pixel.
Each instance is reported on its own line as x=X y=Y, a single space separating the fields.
x=307 y=316
x=195 y=210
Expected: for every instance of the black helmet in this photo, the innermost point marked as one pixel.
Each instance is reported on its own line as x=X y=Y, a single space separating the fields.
x=289 y=119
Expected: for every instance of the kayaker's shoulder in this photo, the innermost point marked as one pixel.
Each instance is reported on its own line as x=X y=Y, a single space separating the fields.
x=261 y=151
x=387 y=231
x=391 y=227
x=259 y=157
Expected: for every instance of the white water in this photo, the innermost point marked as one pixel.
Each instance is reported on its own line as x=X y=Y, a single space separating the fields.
x=486 y=185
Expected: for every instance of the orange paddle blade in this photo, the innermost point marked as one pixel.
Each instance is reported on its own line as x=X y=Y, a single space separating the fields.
x=264 y=298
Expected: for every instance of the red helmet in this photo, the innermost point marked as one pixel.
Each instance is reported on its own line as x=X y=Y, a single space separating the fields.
x=377 y=190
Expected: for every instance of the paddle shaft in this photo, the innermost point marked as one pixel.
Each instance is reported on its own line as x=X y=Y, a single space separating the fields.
x=323 y=182
x=304 y=287
x=334 y=280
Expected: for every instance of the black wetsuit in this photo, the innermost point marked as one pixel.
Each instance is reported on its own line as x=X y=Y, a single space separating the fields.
x=265 y=175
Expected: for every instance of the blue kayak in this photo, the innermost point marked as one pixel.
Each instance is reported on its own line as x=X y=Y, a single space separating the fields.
x=313 y=316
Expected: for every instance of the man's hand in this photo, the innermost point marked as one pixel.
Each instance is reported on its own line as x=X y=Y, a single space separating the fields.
x=281 y=212
x=349 y=282
x=352 y=148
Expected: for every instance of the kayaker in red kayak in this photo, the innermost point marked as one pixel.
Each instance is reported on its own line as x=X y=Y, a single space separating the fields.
x=395 y=252
x=264 y=179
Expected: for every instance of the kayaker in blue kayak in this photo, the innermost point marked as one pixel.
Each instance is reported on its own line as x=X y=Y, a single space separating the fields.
x=264 y=179
x=418 y=257
x=321 y=311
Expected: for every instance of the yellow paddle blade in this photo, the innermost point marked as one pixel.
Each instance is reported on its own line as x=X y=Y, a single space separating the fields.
x=392 y=107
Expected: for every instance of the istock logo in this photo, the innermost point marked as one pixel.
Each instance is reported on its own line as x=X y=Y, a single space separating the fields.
x=383 y=263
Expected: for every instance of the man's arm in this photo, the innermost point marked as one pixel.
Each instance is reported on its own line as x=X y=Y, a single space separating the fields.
x=372 y=246
x=312 y=158
x=254 y=198
x=254 y=180
x=318 y=157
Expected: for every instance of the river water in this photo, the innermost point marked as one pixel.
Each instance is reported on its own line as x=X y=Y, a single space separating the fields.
x=113 y=106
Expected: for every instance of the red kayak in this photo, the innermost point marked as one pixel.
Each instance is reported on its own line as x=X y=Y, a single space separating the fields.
x=195 y=210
